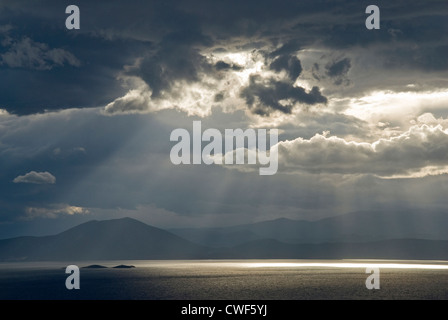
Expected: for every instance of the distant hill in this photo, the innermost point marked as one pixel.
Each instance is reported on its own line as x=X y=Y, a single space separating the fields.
x=119 y=239
x=353 y=227
x=129 y=239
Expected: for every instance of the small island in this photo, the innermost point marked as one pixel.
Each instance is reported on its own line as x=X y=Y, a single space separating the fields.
x=123 y=266
x=98 y=266
x=94 y=266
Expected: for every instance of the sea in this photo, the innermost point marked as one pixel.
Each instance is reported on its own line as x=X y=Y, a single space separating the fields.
x=228 y=280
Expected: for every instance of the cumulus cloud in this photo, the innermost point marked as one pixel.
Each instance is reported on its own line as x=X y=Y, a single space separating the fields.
x=421 y=150
x=136 y=100
x=53 y=211
x=36 y=178
x=429 y=119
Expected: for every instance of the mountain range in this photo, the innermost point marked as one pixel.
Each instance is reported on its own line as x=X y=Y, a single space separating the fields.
x=358 y=235
x=361 y=226
x=118 y=239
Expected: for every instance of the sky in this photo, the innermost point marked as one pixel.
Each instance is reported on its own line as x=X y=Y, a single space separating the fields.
x=86 y=114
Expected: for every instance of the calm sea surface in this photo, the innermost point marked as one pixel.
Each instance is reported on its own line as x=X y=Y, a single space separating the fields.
x=228 y=279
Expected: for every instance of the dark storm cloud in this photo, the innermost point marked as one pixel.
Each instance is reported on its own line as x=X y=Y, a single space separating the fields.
x=48 y=67
x=338 y=70
x=43 y=66
x=219 y=97
x=315 y=71
x=429 y=58
x=263 y=96
x=286 y=49
x=221 y=66
x=172 y=63
x=411 y=35
x=177 y=54
x=45 y=75
x=290 y=64
x=26 y=53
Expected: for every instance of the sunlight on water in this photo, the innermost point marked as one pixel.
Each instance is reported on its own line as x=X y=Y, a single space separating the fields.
x=345 y=265
x=227 y=279
x=382 y=264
